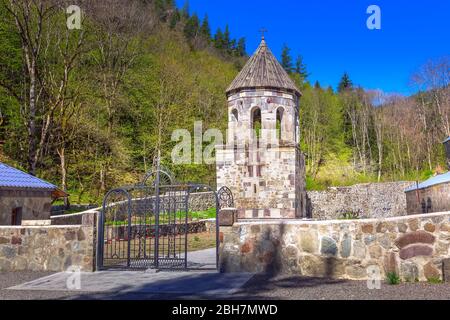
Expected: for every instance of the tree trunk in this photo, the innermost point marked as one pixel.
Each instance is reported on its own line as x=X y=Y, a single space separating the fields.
x=63 y=165
x=32 y=119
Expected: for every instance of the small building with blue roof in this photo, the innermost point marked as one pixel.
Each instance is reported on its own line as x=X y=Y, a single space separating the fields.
x=24 y=197
x=432 y=195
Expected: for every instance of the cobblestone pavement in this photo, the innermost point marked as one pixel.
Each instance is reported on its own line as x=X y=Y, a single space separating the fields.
x=259 y=287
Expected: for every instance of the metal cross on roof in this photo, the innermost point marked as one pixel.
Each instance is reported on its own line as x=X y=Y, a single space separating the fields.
x=263 y=30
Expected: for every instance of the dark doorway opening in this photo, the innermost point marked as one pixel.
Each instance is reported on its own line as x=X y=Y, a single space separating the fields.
x=16 y=217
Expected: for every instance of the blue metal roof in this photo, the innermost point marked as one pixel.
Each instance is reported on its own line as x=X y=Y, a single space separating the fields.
x=14 y=178
x=442 y=178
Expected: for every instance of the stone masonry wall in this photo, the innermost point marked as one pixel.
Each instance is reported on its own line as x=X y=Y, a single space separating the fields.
x=411 y=246
x=432 y=199
x=264 y=173
x=35 y=205
x=82 y=218
x=372 y=200
x=52 y=248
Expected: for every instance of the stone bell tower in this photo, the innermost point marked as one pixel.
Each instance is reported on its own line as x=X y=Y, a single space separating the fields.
x=261 y=162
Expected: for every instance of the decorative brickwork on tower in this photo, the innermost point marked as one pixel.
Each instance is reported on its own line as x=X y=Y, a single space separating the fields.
x=261 y=162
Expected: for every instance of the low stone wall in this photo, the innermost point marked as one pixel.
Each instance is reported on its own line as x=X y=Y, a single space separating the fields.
x=411 y=246
x=52 y=248
x=201 y=201
x=372 y=200
x=197 y=201
x=82 y=218
x=61 y=209
x=121 y=232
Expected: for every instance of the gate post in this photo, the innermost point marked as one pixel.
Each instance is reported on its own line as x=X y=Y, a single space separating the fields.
x=129 y=232
x=157 y=209
x=100 y=238
x=226 y=219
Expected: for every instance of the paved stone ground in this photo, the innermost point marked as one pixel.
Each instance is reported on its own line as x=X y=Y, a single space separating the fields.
x=209 y=283
x=302 y=288
x=204 y=284
x=202 y=259
x=263 y=287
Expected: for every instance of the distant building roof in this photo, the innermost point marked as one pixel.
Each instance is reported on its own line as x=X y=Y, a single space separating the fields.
x=442 y=178
x=14 y=178
x=263 y=71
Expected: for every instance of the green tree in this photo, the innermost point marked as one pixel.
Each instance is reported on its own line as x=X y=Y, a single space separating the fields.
x=162 y=8
x=174 y=19
x=345 y=83
x=232 y=50
x=192 y=27
x=219 y=41
x=227 y=38
x=205 y=29
x=317 y=85
x=286 y=59
x=300 y=68
x=185 y=10
x=241 y=47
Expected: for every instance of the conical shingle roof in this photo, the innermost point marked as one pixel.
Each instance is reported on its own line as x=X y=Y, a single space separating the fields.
x=263 y=71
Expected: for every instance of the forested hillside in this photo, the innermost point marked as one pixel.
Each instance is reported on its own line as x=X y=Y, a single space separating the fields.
x=89 y=109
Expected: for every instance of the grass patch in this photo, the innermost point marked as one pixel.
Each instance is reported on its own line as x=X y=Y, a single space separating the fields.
x=392 y=278
x=412 y=280
x=435 y=280
x=349 y=216
x=195 y=242
x=207 y=214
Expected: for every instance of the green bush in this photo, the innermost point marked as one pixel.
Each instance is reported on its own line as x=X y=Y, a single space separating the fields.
x=393 y=278
x=349 y=216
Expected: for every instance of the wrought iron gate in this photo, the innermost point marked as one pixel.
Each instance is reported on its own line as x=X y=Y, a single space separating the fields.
x=147 y=226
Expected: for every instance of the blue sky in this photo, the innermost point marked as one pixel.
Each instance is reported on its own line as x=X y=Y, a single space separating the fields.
x=332 y=35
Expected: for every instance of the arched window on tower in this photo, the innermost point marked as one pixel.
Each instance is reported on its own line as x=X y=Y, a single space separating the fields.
x=235 y=115
x=279 y=125
x=256 y=122
x=235 y=119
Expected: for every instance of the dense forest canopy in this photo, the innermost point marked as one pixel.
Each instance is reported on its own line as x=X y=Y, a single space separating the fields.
x=89 y=109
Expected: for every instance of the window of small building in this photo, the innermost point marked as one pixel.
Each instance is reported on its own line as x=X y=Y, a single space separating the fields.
x=429 y=206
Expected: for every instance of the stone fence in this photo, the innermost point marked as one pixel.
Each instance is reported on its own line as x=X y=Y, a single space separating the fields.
x=51 y=248
x=82 y=218
x=200 y=201
x=58 y=210
x=412 y=246
x=71 y=239
x=371 y=200
x=192 y=227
